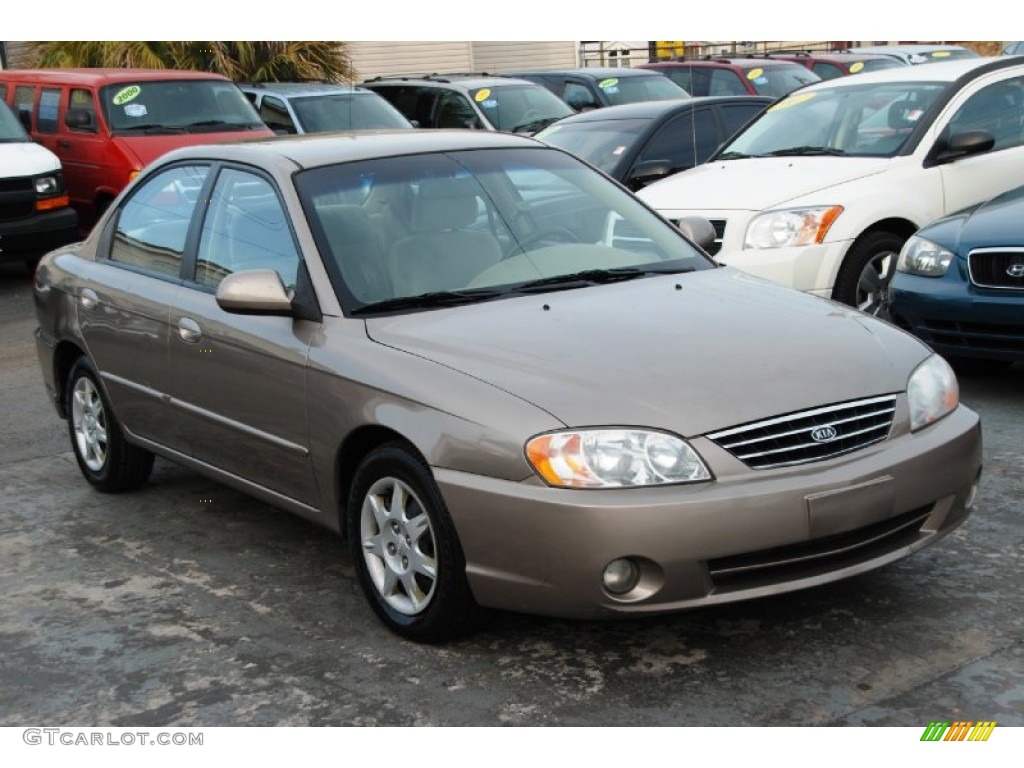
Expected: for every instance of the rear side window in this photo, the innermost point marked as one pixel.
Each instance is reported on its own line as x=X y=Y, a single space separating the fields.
x=24 y=99
x=152 y=225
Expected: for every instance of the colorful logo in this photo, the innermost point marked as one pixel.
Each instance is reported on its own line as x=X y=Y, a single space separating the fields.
x=958 y=731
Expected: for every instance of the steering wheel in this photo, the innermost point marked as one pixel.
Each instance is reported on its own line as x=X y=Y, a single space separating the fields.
x=552 y=235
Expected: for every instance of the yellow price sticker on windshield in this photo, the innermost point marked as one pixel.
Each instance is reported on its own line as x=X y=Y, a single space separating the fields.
x=482 y=94
x=126 y=94
x=940 y=54
x=755 y=73
x=608 y=83
x=792 y=101
x=856 y=67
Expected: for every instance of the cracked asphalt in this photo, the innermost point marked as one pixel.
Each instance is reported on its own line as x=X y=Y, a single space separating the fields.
x=157 y=608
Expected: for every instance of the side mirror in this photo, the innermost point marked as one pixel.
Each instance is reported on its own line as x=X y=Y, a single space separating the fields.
x=646 y=172
x=79 y=119
x=698 y=230
x=254 y=292
x=415 y=123
x=964 y=144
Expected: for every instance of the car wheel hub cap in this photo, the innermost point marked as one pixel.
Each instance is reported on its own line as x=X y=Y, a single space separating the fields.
x=873 y=284
x=398 y=546
x=90 y=424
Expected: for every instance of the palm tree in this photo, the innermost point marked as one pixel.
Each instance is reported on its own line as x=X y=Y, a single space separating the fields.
x=252 y=61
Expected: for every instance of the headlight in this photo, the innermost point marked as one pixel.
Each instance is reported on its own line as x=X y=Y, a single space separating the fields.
x=47 y=185
x=614 y=458
x=923 y=257
x=798 y=226
x=932 y=392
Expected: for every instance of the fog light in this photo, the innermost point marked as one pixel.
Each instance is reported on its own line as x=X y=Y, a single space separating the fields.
x=620 y=576
x=972 y=494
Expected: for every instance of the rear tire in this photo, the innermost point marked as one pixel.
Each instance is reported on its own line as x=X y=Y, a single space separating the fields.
x=108 y=462
x=863 y=279
x=405 y=549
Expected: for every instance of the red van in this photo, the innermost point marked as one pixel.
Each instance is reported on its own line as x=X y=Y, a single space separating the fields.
x=105 y=125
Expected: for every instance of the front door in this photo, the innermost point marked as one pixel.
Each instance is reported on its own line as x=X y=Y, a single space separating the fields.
x=238 y=382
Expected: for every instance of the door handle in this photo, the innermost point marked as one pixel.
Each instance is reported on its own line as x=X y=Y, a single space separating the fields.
x=189 y=330
x=64 y=144
x=88 y=299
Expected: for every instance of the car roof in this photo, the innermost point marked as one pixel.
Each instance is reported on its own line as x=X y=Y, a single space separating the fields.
x=594 y=73
x=301 y=89
x=656 y=109
x=939 y=72
x=312 y=150
x=845 y=56
x=716 y=61
x=99 y=76
x=470 y=81
x=904 y=49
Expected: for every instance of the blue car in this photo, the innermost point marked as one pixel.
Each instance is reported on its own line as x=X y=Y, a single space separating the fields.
x=959 y=282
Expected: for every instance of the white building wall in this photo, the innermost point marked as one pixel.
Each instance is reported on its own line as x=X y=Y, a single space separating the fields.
x=371 y=59
x=498 y=56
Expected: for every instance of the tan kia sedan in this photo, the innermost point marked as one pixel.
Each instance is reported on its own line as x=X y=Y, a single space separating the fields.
x=508 y=381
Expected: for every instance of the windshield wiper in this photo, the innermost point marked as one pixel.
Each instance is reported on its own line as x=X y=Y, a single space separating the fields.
x=595 y=276
x=218 y=124
x=153 y=128
x=793 y=151
x=432 y=299
x=734 y=156
x=535 y=125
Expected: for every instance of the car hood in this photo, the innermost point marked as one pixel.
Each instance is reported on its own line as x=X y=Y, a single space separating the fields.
x=146 y=149
x=26 y=158
x=757 y=183
x=995 y=223
x=723 y=349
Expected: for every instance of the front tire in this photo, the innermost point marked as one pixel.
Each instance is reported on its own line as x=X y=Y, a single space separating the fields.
x=863 y=279
x=405 y=549
x=108 y=462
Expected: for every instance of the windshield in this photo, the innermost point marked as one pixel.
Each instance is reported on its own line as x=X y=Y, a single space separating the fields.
x=346 y=112
x=177 y=106
x=780 y=79
x=599 y=142
x=446 y=228
x=626 y=90
x=520 y=108
x=865 y=120
x=11 y=129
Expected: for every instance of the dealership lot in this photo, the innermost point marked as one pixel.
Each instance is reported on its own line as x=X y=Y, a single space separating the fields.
x=190 y=604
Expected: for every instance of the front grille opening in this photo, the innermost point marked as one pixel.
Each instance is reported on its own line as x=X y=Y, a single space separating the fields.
x=997 y=268
x=818 y=556
x=806 y=436
x=974 y=336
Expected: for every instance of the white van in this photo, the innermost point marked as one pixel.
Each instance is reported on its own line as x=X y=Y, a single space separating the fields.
x=821 y=191
x=35 y=213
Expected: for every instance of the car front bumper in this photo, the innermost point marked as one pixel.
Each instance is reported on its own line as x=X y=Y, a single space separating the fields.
x=959 y=319
x=37 y=234
x=542 y=550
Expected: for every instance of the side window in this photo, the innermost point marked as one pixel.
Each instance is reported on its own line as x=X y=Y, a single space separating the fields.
x=274 y=113
x=725 y=82
x=153 y=224
x=684 y=141
x=46 y=116
x=245 y=228
x=735 y=116
x=826 y=71
x=681 y=76
x=998 y=109
x=579 y=97
x=3 y=91
x=414 y=102
x=24 y=100
x=85 y=119
x=455 y=111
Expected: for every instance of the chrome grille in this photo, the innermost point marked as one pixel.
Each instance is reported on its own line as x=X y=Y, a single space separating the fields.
x=997 y=267
x=806 y=436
